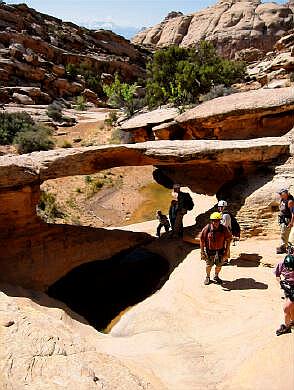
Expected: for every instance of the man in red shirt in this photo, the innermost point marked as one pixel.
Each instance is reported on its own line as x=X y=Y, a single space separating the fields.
x=214 y=244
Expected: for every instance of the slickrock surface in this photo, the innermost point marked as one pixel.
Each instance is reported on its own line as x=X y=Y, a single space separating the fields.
x=231 y=25
x=244 y=115
x=186 y=336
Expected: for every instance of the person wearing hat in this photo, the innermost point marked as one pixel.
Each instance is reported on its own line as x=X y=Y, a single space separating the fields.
x=286 y=218
x=214 y=245
x=286 y=269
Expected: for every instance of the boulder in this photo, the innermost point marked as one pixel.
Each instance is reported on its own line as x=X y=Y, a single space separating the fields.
x=140 y=126
x=22 y=99
x=17 y=50
x=59 y=70
x=244 y=115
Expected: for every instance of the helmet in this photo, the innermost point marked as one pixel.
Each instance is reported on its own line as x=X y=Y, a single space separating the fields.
x=222 y=203
x=282 y=190
x=216 y=216
x=289 y=262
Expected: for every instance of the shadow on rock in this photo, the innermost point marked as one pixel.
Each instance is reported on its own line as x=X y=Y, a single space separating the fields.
x=243 y=284
x=247 y=260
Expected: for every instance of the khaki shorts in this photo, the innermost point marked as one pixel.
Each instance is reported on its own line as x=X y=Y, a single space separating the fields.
x=215 y=258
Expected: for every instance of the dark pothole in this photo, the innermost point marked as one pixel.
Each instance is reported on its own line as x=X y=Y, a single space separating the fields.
x=100 y=290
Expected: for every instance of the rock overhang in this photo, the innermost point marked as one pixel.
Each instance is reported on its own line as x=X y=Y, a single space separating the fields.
x=38 y=167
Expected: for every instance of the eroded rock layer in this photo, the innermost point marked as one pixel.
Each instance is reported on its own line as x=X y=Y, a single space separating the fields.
x=36 y=48
x=38 y=254
x=231 y=25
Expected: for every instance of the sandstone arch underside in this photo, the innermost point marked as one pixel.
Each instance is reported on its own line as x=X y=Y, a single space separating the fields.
x=35 y=254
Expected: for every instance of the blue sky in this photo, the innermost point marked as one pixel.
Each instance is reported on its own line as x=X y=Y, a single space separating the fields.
x=137 y=13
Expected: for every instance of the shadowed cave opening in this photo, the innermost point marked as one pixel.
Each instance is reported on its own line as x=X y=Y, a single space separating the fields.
x=100 y=290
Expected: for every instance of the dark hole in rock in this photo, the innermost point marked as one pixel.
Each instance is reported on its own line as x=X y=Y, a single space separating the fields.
x=100 y=290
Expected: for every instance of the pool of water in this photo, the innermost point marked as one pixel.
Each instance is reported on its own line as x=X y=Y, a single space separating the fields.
x=156 y=198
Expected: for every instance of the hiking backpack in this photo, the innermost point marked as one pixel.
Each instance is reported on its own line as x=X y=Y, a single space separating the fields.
x=236 y=230
x=188 y=201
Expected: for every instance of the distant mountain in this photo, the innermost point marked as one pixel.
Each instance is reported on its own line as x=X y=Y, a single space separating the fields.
x=126 y=31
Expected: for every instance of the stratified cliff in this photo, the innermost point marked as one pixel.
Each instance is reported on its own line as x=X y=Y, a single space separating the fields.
x=232 y=25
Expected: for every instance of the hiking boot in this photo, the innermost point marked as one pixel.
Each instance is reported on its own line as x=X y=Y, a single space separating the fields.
x=281 y=249
x=207 y=281
x=226 y=262
x=283 y=329
x=217 y=280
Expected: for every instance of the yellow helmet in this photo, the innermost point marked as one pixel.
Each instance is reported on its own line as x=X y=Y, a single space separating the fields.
x=215 y=215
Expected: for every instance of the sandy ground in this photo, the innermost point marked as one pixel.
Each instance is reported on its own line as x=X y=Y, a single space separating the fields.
x=192 y=336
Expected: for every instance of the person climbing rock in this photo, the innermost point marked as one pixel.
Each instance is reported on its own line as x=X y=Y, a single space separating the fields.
x=173 y=213
x=286 y=269
x=163 y=222
x=184 y=203
x=214 y=245
x=286 y=218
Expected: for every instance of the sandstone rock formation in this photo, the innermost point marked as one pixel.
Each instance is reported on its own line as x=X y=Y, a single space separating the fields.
x=277 y=64
x=49 y=347
x=37 y=254
x=231 y=25
x=35 y=49
x=245 y=115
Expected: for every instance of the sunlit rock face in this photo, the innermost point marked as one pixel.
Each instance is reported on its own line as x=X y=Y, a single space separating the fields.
x=231 y=25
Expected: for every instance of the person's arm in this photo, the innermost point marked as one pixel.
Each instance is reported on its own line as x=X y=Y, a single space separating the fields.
x=226 y=220
x=202 y=243
x=291 y=207
x=278 y=272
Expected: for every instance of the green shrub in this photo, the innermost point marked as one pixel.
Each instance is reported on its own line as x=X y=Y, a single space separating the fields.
x=13 y=123
x=71 y=71
x=292 y=77
x=122 y=95
x=66 y=144
x=54 y=111
x=178 y=75
x=35 y=139
x=80 y=103
x=217 y=91
x=48 y=208
x=112 y=119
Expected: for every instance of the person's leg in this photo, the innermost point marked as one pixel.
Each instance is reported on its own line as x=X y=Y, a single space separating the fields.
x=285 y=232
x=178 y=224
x=166 y=228
x=291 y=236
x=209 y=265
x=218 y=266
x=288 y=311
x=158 y=230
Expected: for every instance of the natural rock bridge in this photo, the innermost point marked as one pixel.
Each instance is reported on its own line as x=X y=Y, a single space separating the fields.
x=35 y=254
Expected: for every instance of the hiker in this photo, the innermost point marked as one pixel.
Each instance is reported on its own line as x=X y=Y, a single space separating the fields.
x=214 y=244
x=163 y=222
x=173 y=213
x=185 y=203
x=286 y=218
x=286 y=269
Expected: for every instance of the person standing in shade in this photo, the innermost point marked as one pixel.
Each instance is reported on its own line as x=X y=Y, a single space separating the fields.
x=173 y=213
x=214 y=244
x=286 y=218
x=184 y=203
x=163 y=222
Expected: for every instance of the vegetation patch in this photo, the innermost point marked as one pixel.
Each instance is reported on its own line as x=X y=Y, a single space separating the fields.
x=20 y=129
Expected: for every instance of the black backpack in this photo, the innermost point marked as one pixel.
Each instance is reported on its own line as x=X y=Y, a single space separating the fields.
x=187 y=201
x=236 y=230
